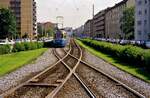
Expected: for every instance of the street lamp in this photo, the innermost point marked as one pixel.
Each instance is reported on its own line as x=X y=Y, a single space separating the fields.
x=92 y=2
x=93 y=9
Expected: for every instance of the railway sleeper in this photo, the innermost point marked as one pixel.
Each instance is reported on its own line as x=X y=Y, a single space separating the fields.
x=42 y=84
x=60 y=81
x=34 y=80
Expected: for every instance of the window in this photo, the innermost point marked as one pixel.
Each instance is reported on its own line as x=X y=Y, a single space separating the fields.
x=140 y=12
x=139 y=22
x=145 y=31
x=145 y=11
x=139 y=32
x=145 y=1
x=139 y=2
x=145 y=22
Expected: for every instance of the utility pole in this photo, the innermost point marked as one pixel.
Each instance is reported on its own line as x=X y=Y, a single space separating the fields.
x=92 y=35
x=93 y=9
x=42 y=25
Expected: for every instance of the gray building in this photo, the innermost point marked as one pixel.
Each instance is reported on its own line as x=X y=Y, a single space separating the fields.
x=112 y=19
x=99 y=24
x=88 y=28
x=78 y=32
x=142 y=20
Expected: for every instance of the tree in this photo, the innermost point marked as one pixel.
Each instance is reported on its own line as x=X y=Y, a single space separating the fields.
x=7 y=24
x=50 y=32
x=127 y=23
x=39 y=29
x=25 y=35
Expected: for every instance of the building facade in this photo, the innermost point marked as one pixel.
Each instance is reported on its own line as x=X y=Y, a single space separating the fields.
x=49 y=25
x=44 y=27
x=99 y=24
x=88 y=28
x=4 y=3
x=113 y=17
x=142 y=20
x=78 y=32
x=25 y=13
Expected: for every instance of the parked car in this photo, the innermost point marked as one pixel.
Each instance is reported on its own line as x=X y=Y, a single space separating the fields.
x=140 y=43
x=117 y=41
x=34 y=40
x=18 y=41
x=27 y=40
x=132 y=42
x=123 y=42
x=147 y=44
x=6 y=41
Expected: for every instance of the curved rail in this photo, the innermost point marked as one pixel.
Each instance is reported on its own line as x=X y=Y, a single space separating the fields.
x=33 y=78
x=110 y=77
x=72 y=72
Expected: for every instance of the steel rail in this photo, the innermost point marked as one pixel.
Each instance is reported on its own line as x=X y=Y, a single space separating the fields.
x=72 y=72
x=33 y=78
x=80 y=81
x=110 y=77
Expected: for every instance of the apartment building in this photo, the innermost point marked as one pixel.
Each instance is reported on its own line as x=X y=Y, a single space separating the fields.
x=142 y=20
x=25 y=13
x=48 y=25
x=45 y=26
x=112 y=19
x=99 y=24
x=88 y=28
x=4 y=3
x=78 y=32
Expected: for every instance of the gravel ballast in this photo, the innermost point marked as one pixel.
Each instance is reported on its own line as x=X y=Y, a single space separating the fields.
x=26 y=72
x=61 y=54
x=135 y=83
x=72 y=89
x=102 y=86
x=31 y=92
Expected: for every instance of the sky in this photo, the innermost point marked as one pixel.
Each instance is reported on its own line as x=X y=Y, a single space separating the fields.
x=75 y=12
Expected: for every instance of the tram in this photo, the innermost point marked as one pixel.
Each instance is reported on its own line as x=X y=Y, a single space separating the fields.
x=60 y=38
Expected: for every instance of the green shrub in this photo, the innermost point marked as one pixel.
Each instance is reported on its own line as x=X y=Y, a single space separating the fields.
x=133 y=54
x=5 y=49
x=27 y=46
x=130 y=54
x=19 y=47
x=33 y=45
x=146 y=59
x=40 y=45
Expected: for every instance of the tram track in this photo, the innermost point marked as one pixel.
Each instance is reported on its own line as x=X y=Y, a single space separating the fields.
x=70 y=71
x=126 y=90
x=39 y=84
x=116 y=89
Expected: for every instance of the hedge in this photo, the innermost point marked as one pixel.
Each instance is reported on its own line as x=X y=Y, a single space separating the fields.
x=24 y=46
x=130 y=54
x=5 y=49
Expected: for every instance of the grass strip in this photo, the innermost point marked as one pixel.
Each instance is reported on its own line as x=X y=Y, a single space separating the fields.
x=11 y=62
x=137 y=72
